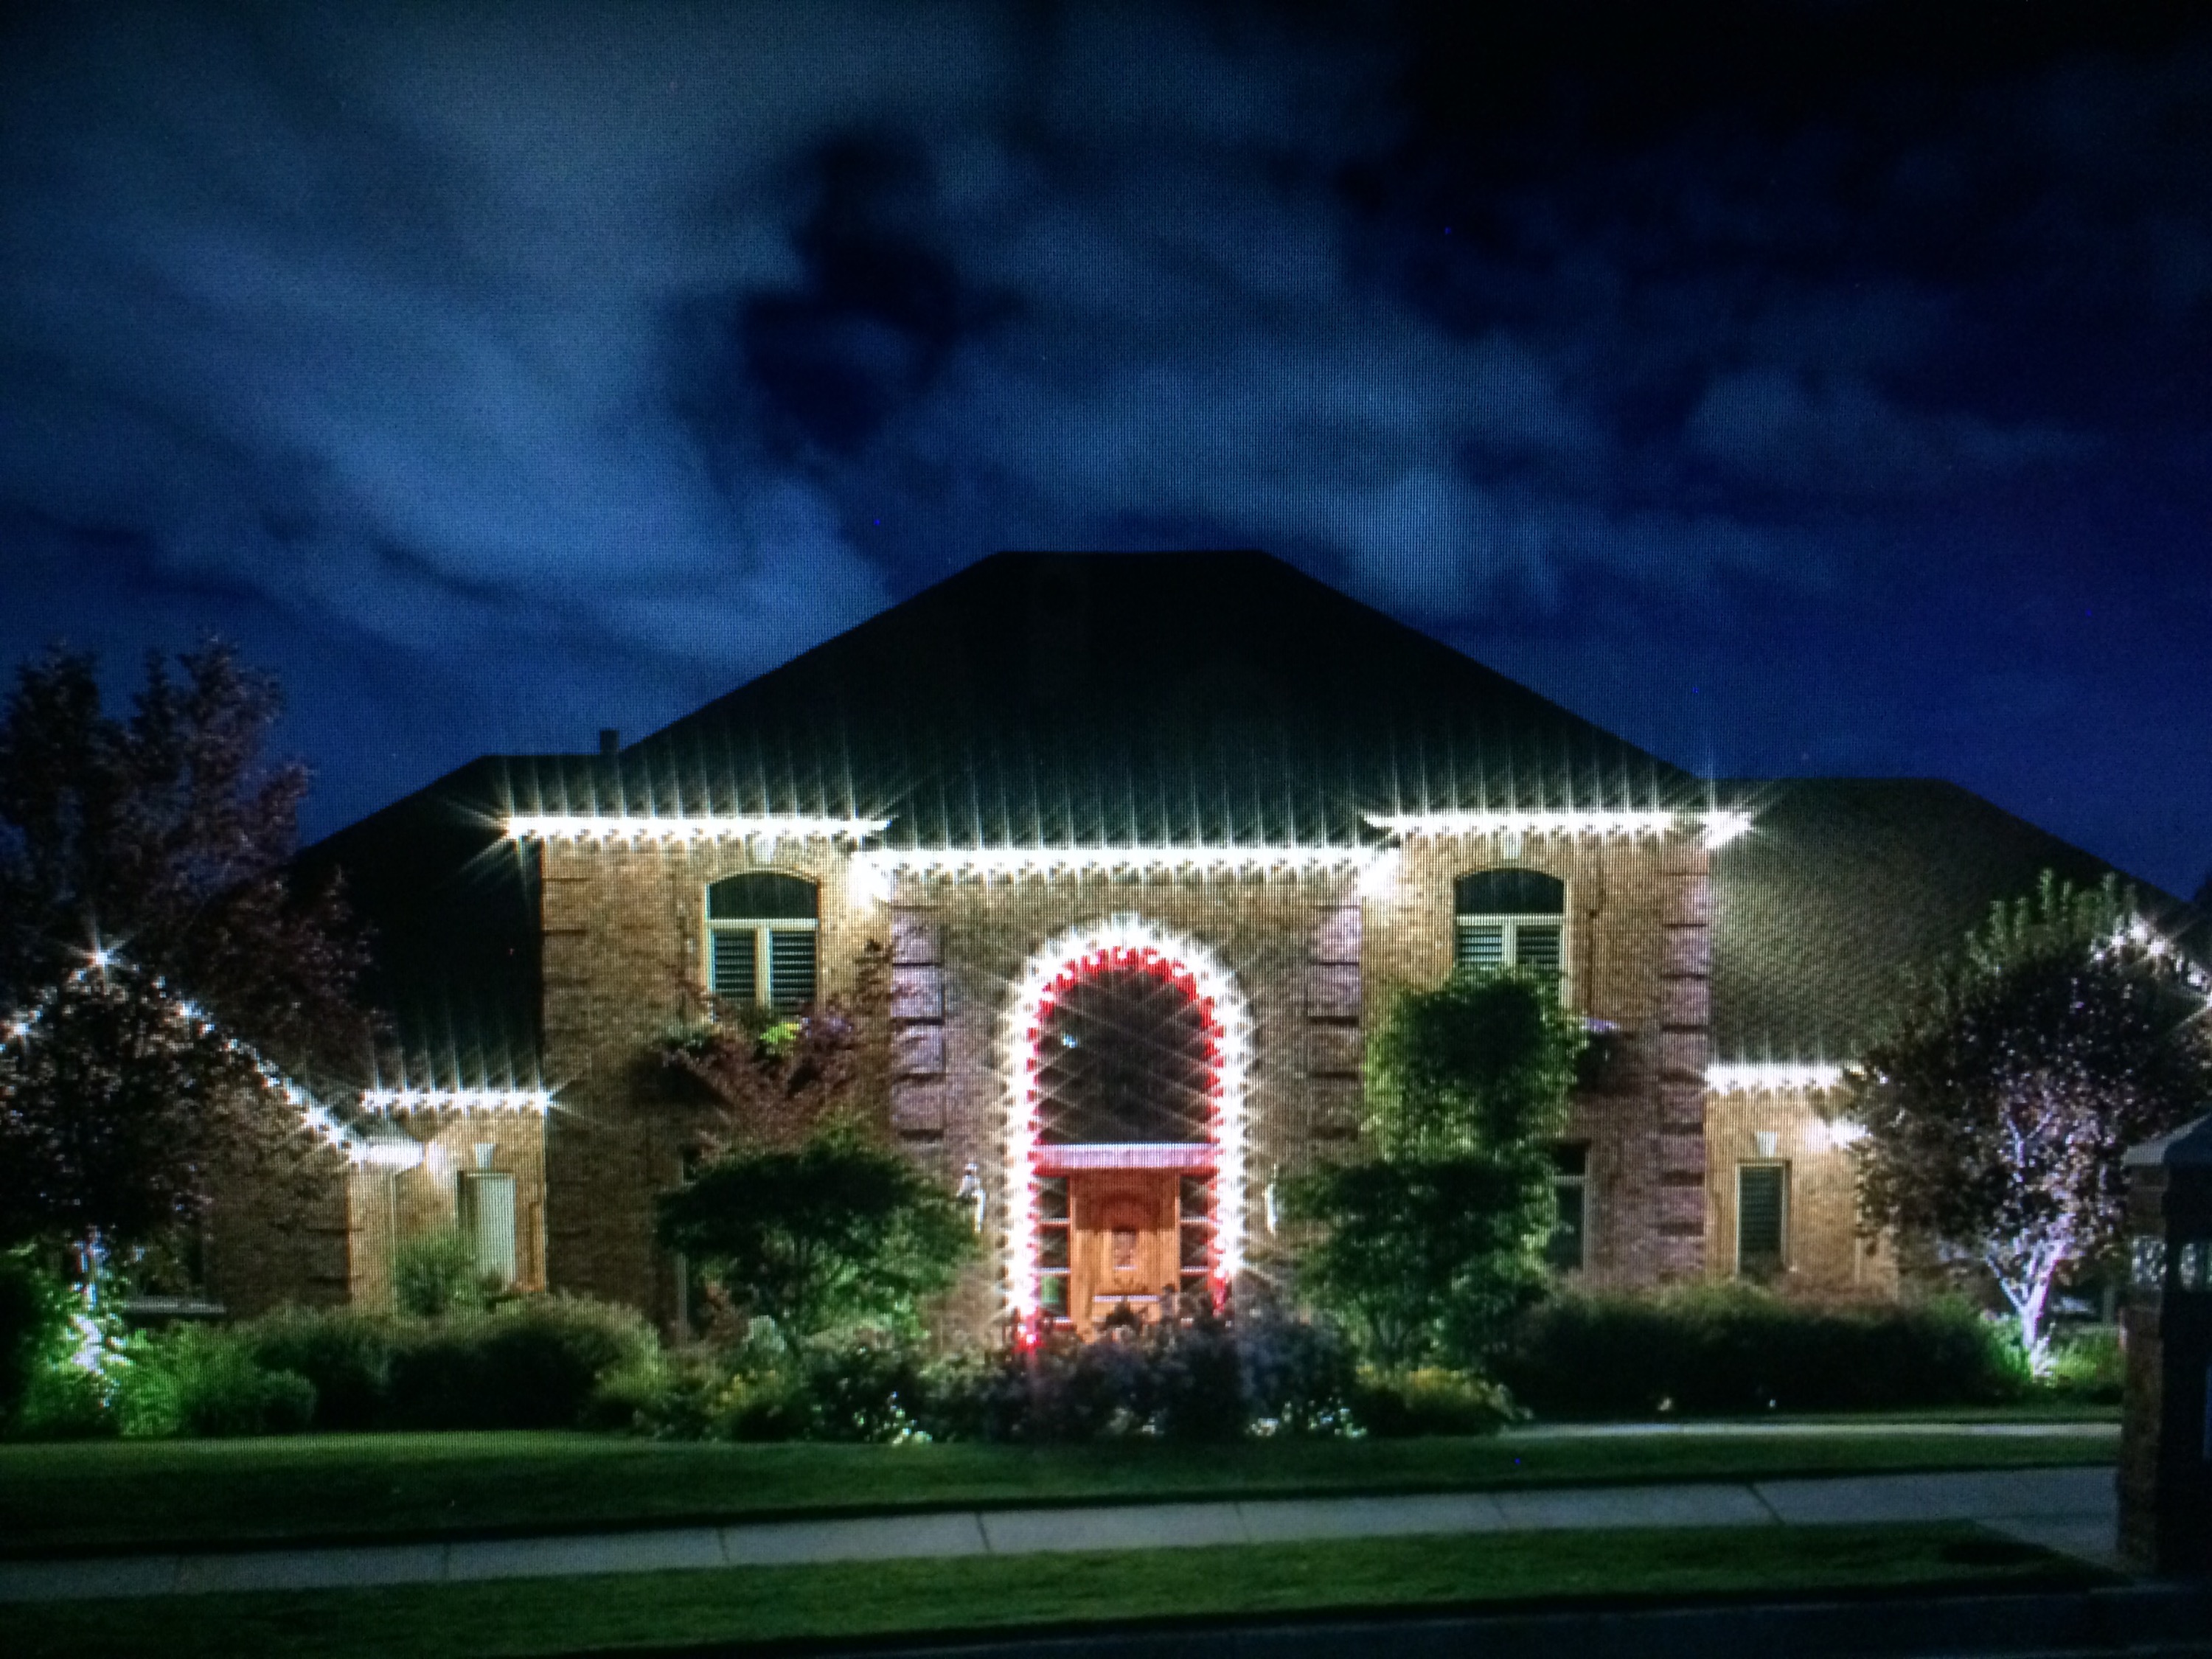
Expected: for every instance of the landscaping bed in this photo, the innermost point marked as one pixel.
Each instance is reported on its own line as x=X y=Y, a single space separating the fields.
x=116 y=1495
x=998 y=1595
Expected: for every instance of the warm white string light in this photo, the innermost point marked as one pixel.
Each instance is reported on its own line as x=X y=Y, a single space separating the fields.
x=1123 y=941
x=315 y=1118
x=1770 y=1076
x=1005 y=863
x=633 y=829
x=386 y=1102
x=1720 y=827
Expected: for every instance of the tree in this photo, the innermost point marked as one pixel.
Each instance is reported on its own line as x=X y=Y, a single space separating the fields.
x=2016 y=1074
x=1430 y=1248
x=835 y=1232
x=142 y=874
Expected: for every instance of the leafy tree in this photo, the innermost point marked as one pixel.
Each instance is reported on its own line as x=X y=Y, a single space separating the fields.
x=1430 y=1248
x=2016 y=1073
x=837 y=1231
x=143 y=866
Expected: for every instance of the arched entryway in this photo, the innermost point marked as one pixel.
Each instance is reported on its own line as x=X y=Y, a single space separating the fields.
x=1127 y=1050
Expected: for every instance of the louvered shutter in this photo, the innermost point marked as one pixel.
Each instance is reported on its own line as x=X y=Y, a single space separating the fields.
x=1481 y=945
x=791 y=968
x=736 y=964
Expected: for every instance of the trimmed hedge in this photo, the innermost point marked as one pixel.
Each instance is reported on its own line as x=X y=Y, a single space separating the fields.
x=1735 y=1350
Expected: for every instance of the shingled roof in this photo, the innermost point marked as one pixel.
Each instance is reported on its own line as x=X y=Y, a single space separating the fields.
x=1841 y=885
x=1045 y=697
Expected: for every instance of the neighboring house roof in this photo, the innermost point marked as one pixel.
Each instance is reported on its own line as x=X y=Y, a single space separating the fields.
x=1842 y=883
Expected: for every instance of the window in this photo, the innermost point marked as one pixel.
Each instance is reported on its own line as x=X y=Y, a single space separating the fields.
x=1511 y=919
x=761 y=934
x=1052 y=1226
x=487 y=1222
x=1564 y=1251
x=1194 y=1234
x=1762 y=1218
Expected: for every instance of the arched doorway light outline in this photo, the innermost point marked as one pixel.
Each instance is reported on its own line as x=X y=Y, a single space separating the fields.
x=1124 y=942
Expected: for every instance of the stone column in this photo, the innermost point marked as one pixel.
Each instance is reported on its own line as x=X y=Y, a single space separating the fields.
x=1685 y=1047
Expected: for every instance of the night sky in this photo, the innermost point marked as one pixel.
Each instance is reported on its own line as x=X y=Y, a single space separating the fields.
x=1791 y=388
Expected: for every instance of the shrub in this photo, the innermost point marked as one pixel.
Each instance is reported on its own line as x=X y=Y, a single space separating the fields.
x=1196 y=1383
x=347 y=1355
x=1737 y=1350
x=2088 y=1365
x=534 y=1363
x=34 y=1317
x=207 y=1384
x=1399 y=1404
x=435 y=1274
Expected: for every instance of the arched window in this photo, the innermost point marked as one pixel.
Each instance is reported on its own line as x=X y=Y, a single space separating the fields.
x=762 y=929
x=1512 y=918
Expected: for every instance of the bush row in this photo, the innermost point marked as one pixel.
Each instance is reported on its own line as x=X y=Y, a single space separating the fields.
x=1732 y=1349
x=1204 y=1383
x=534 y=1363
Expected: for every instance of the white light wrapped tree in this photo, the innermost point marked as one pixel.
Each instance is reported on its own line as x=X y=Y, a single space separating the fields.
x=1998 y=1104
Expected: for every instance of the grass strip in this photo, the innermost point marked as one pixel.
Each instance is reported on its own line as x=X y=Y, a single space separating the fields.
x=1001 y=1594
x=58 y=1499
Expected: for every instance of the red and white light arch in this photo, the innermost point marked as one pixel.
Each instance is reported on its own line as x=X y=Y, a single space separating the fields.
x=1120 y=944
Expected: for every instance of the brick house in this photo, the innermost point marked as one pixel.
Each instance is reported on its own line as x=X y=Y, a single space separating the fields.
x=1141 y=845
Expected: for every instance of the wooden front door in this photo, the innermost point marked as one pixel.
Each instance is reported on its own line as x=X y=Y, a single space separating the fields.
x=1124 y=1244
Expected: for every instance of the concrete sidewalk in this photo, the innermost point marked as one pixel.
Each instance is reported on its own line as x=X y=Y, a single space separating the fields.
x=2070 y=1509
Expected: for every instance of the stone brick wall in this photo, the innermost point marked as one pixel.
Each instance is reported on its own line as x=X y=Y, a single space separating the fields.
x=624 y=934
x=1316 y=959
x=275 y=1238
x=959 y=949
x=1824 y=1255
x=1639 y=915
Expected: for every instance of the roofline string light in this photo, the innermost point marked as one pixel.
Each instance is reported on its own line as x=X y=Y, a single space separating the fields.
x=1005 y=863
x=1721 y=826
x=387 y=1102
x=315 y=1118
x=1124 y=942
x=631 y=829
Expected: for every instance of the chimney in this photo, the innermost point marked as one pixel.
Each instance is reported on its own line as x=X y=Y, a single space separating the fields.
x=609 y=743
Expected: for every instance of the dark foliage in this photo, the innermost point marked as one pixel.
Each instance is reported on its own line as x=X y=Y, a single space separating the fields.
x=163 y=837
x=1735 y=1350
x=33 y=1314
x=839 y=1232
x=1428 y=1251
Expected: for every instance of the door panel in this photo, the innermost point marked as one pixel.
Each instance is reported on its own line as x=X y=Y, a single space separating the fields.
x=1125 y=1246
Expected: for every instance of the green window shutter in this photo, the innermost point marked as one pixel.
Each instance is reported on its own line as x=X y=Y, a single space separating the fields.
x=1536 y=945
x=1762 y=1197
x=790 y=968
x=736 y=964
x=1481 y=945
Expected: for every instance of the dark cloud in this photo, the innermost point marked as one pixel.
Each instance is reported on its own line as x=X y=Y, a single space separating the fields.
x=1790 y=385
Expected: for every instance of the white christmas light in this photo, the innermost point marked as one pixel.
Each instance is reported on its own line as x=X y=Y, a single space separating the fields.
x=1720 y=827
x=386 y=1102
x=1008 y=863
x=1742 y=1079
x=1123 y=941
x=631 y=829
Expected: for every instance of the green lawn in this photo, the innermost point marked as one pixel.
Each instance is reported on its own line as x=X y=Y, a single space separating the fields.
x=983 y=1594
x=123 y=1495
